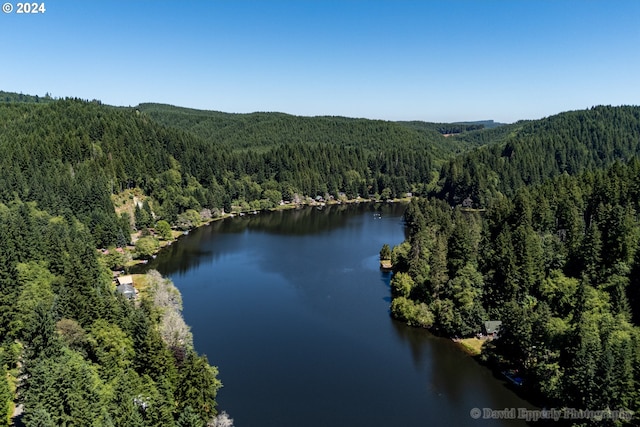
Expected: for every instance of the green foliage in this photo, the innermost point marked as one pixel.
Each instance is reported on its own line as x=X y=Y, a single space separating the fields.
x=197 y=386
x=138 y=400
x=115 y=259
x=385 y=252
x=557 y=263
x=5 y=397
x=414 y=314
x=189 y=418
x=19 y=97
x=451 y=128
x=65 y=387
x=36 y=282
x=188 y=220
x=110 y=347
x=76 y=338
x=560 y=291
x=147 y=246
x=164 y=230
x=305 y=155
x=240 y=131
x=400 y=255
x=39 y=334
x=465 y=291
x=532 y=152
x=273 y=196
x=73 y=335
x=85 y=151
x=127 y=403
x=402 y=284
x=142 y=217
x=38 y=417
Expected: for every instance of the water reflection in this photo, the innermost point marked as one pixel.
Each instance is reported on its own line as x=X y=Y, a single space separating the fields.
x=203 y=245
x=294 y=310
x=452 y=374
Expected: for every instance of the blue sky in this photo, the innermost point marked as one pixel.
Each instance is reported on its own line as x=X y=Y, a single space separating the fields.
x=397 y=60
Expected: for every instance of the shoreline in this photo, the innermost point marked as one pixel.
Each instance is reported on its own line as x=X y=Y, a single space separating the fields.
x=176 y=235
x=459 y=343
x=472 y=346
x=142 y=280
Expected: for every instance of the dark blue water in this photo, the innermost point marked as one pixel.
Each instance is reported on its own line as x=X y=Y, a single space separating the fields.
x=293 y=309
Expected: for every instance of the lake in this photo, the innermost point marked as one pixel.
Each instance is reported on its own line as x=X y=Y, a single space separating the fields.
x=294 y=310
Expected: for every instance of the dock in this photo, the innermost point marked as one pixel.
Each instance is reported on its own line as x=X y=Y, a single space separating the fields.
x=385 y=265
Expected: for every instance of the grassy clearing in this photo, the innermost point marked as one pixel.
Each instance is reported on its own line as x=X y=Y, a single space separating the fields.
x=141 y=283
x=126 y=200
x=284 y=207
x=472 y=346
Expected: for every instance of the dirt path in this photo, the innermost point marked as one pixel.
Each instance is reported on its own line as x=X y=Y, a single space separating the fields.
x=16 y=418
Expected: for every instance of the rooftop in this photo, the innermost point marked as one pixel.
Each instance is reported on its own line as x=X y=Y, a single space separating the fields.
x=125 y=280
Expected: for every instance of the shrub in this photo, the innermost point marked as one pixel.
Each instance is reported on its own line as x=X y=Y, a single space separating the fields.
x=415 y=314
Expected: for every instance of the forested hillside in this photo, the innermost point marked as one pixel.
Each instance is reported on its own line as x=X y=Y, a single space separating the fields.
x=553 y=255
x=78 y=353
x=450 y=129
x=531 y=152
x=75 y=352
x=398 y=156
x=75 y=153
x=253 y=130
x=555 y=260
x=557 y=263
x=19 y=97
x=69 y=156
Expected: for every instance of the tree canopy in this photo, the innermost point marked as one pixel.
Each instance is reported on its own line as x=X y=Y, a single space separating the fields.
x=556 y=263
x=534 y=224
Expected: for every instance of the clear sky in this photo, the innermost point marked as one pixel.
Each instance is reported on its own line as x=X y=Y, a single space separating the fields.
x=398 y=60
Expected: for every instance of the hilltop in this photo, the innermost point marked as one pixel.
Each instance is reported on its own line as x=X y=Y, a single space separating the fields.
x=528 y=153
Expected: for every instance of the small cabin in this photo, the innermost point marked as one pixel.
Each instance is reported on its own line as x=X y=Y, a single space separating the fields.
x=128 y=291
x=492 y=327
x=125 y=286
x=125 y=280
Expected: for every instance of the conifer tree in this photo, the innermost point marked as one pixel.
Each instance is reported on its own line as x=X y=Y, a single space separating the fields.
x=189 y=418
x=197 y=386
x=5 y=397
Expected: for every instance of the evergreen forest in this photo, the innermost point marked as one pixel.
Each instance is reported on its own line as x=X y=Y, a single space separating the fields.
x=534 y=224
x=540 y=231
